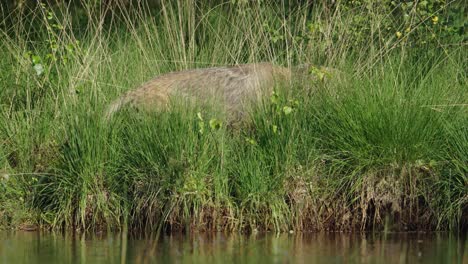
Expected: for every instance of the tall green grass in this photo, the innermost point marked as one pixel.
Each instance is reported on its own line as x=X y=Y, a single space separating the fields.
x=382 y=146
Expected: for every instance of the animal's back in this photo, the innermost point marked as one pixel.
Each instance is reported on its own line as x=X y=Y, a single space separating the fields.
x=229 y=87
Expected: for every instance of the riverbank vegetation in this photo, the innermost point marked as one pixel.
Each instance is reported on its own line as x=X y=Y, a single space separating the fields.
x=382 y=146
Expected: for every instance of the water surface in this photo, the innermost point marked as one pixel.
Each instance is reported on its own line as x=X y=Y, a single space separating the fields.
x=39 y=247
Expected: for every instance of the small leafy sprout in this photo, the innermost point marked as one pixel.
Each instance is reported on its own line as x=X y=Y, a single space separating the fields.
x=317 y=72
x=251 y=141
x=275 y=129
x=58 y=26
x=295 y=103
x=36 y=59
x=70 y=48
x=37 y=63
x=315 y=27
x=27 y=54
x=274 y=98
x=51 y=57
x=287 y=110
x=275 y=34
x=215 y=124
x=53 y=45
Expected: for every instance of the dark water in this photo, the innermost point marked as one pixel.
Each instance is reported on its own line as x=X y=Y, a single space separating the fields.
x=35 y=247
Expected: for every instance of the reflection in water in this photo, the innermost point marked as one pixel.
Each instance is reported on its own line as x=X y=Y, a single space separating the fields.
x=24 y=247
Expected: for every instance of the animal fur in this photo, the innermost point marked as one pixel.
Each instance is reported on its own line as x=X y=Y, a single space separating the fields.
x=232 y=88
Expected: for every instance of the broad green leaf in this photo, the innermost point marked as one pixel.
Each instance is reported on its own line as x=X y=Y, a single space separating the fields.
x=287 y=110
x=36 y=59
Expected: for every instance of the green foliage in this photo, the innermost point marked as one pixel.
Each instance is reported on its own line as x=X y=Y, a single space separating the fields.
x=387 y=23
x=383 y=137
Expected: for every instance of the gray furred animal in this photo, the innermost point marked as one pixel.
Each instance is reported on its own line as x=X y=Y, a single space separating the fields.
x=232 y=88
